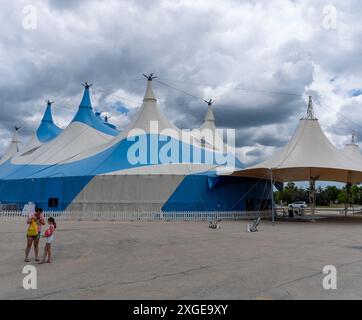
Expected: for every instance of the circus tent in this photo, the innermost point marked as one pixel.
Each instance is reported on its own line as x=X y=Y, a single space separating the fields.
x=90 y=166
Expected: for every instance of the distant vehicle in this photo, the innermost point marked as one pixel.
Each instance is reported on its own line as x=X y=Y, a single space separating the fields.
x=298 y=204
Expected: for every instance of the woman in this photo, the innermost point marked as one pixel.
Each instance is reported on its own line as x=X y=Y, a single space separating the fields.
x=39 y=220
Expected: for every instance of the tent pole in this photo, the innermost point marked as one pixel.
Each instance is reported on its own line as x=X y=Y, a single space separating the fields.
x=348 y=191
x=272 y=196
x=312 y=195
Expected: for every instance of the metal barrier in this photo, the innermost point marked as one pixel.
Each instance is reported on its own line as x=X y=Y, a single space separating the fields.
x=143 y=216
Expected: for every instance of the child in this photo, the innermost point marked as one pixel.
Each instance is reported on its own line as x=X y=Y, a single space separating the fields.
x=49 y=235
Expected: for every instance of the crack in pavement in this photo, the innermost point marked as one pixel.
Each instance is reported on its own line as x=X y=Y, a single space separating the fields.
x=112 y=284
x=184 y=272
x=308 y=276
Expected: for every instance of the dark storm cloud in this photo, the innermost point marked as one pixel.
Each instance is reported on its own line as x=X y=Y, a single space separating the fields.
x=344 y=126
x=254 y=153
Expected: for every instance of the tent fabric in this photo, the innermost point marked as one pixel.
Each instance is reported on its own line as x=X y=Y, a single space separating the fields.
x=150 y=111
x=86 y=115
x=173 y=193
x=209 y=121
x=84 y=132
x=216 y=141
x=105 y=121
x=47 y=130
x=352 y=151
x=13 y=147
x=308 y=155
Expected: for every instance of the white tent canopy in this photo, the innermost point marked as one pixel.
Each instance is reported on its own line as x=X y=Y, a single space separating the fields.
x=150 y=111
x=309 y=155
x=209 y=124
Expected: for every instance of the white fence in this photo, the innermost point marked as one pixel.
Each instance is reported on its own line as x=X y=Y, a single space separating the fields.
x=284 y=211
x=143 y=216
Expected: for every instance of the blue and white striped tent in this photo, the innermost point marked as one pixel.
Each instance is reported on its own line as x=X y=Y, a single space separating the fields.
x=87 y=166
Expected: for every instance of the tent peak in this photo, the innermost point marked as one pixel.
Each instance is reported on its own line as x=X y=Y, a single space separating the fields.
x=149 y=77
x=87 y=85
x=86 y=115
x=47 y=130
x=310 y=111
x=210 y=113
x=86 y=102
x=353 y=138
x=15 y=138
x=48 y=117
x=209 y=102
x=149 y=95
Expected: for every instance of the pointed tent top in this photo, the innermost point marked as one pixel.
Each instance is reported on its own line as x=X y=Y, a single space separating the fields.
x=48 y=130
x=13 y=147
x=149 y=112
x=352 y=149
x=353 y=138
x=210 y=113
x=86 y=102
x=86 y=115
x=48 y=112
x=149 y=95
x=353 y=141
x=310 y=112
x=87 y=85
x=209 y=102
x=16 y=138
x=209 y=123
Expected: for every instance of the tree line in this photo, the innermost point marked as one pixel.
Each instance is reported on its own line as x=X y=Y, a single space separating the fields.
x=324 y=196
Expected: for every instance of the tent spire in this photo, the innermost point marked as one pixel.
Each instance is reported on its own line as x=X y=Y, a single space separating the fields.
x=150 y=111
x=210 y=113
x=47 y=130
x=15 y=138
x=209 y=102
x=86 y=115
x=48 y=113
x=353 y=138
x=310 y=111
x=86 y=102
x=13 y=147
x=149 y=95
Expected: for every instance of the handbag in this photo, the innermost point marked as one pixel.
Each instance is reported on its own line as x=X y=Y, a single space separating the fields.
x=33 y=229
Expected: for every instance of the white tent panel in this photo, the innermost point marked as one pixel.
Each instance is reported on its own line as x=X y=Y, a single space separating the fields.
x=126 y=193
x=12 y=149
x=76 y=138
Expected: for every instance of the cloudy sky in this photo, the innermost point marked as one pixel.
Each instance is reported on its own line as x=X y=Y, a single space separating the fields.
x=258 y=59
